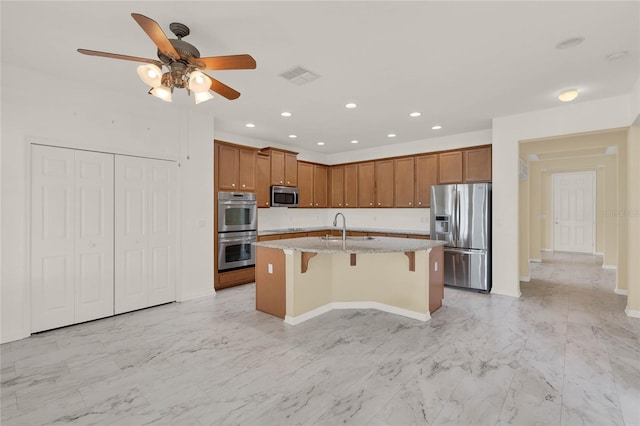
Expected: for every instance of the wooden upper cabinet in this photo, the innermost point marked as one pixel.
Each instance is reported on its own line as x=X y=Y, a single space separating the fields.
x=247 y=169
x=284 y=166
x=277 y=168
x=291 y=169
x=305 y=184
x=404 y=182
x=336 y=186
x=477 y=165
x=351 y=185
x=366 y=184
x=450 y=167
x=263 y=180
x=236 y=167
x=426 y=176
x=384 y=183
x=320 y=185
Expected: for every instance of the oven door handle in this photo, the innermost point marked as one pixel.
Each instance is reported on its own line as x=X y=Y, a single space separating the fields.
x=237 y=240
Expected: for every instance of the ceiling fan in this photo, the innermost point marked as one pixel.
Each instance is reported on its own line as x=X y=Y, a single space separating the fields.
x=183 y=63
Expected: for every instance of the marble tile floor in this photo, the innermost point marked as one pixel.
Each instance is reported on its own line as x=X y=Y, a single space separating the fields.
x=562 y=354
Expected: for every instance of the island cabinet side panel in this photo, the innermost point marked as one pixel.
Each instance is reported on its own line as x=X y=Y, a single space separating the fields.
x=436 y=278
x=309 y=290
x=383 y=278
x=270 y=281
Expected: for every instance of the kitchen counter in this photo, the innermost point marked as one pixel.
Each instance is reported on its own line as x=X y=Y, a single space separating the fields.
x=300 y=278
x=355 y=245
x=331 y=228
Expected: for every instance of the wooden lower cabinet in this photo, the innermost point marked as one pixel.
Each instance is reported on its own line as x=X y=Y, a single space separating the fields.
x=270 y=281
x=232 y=278
x=436 y=278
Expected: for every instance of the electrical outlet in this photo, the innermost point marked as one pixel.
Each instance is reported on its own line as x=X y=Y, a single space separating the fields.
x=435 y=266
x=270 y=268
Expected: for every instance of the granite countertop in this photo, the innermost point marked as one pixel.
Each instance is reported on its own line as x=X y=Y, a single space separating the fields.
x=355 y=245
x=331 y=228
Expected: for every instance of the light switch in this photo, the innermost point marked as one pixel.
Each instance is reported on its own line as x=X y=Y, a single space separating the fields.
x=270 y=268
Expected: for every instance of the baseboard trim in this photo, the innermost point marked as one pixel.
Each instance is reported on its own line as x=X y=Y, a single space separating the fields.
x=609 y=267
x=632 y=313
x=546 y=249
x=525 y=278
x=535 y=260
x=356 y=305
x=598 y=253
x=621 y=292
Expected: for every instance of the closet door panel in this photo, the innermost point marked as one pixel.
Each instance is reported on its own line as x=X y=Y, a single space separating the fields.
x=52 y=237
x=162 y=231
x=131 y=234
x=94 y=236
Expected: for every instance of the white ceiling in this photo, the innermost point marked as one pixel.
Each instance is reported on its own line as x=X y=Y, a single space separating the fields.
x=459 y=63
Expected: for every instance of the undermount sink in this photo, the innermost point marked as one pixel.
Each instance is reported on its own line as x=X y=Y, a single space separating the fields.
x=339 y=238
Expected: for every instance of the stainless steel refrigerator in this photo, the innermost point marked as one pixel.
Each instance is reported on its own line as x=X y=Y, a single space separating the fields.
x=461 y=216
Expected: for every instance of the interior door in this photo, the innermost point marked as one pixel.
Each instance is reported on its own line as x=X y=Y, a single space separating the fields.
x=162 y=231
x=573 y=209
x=93 y=235
x=52 y=237
x=131 y=230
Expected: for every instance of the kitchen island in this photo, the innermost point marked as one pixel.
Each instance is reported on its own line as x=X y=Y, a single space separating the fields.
x=300 y=278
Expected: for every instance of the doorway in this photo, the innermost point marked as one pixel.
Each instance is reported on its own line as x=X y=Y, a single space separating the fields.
x=574 y=212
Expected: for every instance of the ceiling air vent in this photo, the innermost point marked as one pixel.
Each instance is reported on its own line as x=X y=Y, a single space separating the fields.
x=299 y=75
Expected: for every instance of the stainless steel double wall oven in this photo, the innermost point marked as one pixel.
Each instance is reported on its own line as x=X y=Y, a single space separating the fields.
x=237 y=230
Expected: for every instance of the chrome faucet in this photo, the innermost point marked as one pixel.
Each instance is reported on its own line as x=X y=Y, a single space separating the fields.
x=344 y=225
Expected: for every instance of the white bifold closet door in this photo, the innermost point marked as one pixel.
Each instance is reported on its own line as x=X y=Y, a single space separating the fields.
x=145 y=233
x=71 y=236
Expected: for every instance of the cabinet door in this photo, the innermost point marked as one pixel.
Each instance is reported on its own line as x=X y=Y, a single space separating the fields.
x=93 y=235
x=228 y=162
x=247 y=170
x=131 y=234
x=403 y=183
x=351 y=185
x=384 y=183
x=320 y=181
x=366 y=184
x=161 y=231
x=52 y=237
x=263 y=180
x=477 y=165
x=291 y=169
x=336 y=186
x=426 y=176
x=305 y=184
x=277 y=168
x=450 y=167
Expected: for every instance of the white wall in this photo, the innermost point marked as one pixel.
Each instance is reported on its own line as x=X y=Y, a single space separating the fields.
x=507 y=132
x=64 y=114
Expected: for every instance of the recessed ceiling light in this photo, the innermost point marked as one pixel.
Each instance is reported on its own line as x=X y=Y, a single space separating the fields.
x=249 y=125
x=320 y=143
x=293 y=136
x=436 y=127
x=391 y=135
x=415 y=114
x=617 y=55
x=350 y=105
x=569 y=43
x=354 y=141
x=285 y=114
x=568 y=95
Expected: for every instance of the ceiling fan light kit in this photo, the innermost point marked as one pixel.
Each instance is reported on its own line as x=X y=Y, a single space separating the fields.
x=182 y=62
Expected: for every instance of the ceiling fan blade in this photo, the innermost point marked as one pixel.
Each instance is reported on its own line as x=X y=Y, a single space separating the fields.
x=223 y=90
x=156 y=34
x=118 y=56
x=232 y=62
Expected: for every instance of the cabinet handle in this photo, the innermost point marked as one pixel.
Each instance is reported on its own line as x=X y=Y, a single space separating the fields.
x=378 y=203
x=233 y=184
x=243 y=185
x=419 y=203
x=280 y=181
x=370 y=204
x=409 y=202
x=339 y=204
x=316 y=204
x=347 y=204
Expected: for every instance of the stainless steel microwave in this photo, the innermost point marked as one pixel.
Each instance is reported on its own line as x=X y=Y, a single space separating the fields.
x=284 y=196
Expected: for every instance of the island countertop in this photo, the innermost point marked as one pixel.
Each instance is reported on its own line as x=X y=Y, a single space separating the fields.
x=353 y=245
